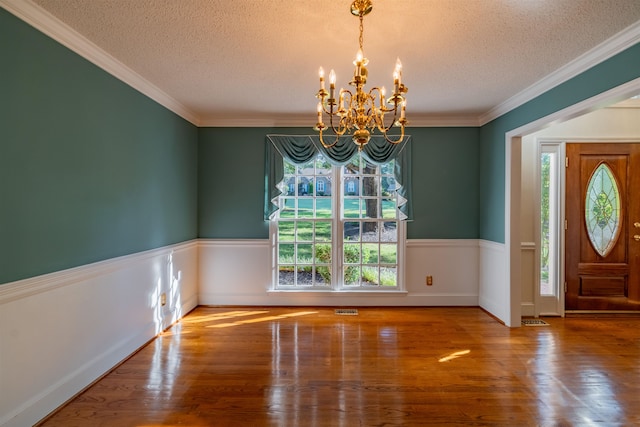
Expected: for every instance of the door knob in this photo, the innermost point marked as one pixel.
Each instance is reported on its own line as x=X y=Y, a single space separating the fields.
x=636 y=224
x=637 y=237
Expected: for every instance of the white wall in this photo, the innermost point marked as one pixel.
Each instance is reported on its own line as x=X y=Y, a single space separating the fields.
x=61 y=331
x=608 y=124
x=238 y=272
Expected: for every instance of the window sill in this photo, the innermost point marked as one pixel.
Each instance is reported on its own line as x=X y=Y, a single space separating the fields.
x=332 y=292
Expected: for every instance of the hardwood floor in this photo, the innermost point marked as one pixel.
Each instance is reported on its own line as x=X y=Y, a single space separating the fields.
x=383 y=367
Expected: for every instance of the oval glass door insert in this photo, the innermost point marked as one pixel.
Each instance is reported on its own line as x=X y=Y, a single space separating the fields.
x=602 y=210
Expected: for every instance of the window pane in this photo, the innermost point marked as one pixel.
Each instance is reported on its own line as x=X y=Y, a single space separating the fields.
x=388 y=253
x=323 y=231
x=304 y=253
x=304 y=231
x=351 y=208
x=323 y=254
x=389 y=208
x=352 y=231
x=370 y=276
x=370 y=186
x=288 y=186
x=304 y=276
x=352 y=275
x=285 y=231
x=323 y=207
x=287 y=208
x=351 y=253
x=285 y=275
x=352 y=186
x=389 y=233
x=285 y=253
x=388 y=277
x=323 y=275
x=305 y=207
x=370 y=231
x=370 y=253
x=371 y=208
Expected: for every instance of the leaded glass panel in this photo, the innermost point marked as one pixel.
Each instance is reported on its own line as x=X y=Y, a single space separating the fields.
x=602 y=210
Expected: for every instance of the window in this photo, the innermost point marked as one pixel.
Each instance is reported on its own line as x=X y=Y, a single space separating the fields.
x=349 y=238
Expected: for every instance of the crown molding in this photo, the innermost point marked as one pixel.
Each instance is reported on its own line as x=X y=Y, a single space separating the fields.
x=307 y=120
x=605 y=50
x=628 y=103
x=48 y=24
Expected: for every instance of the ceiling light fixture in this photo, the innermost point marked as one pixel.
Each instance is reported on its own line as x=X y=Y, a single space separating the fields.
x=361 y=112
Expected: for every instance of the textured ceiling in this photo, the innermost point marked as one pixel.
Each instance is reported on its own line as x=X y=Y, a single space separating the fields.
x=258 y=59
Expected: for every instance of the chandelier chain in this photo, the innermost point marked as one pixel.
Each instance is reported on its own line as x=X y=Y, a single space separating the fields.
x=361 y=39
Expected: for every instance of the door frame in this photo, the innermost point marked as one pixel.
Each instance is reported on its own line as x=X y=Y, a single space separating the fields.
x=512 y=190
x=542 y=307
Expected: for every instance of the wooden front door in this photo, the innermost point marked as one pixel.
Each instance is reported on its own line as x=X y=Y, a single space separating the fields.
x=603 y=227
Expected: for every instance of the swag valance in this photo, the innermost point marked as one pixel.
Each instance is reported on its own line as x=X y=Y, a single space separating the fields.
x=302 y=149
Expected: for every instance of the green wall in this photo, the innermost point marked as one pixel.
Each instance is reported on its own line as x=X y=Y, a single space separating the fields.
x=90 y=169
x=613 y=72
x=231 y=182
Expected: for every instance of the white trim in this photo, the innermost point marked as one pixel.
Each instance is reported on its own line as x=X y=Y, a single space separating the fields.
x=48 y=24
x=605 y=50
x=221 y=243
x=36 y=285
x=439 y=243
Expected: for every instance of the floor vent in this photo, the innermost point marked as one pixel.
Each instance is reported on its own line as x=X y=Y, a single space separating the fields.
x=534 y=322
x=347 y=311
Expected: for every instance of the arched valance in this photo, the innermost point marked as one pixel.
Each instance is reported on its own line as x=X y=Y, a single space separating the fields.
x=301 y=149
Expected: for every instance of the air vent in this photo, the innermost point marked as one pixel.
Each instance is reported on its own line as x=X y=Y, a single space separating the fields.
x=347 y=311
x=534 y=322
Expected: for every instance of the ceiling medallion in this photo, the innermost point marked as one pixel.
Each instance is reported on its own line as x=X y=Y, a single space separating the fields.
x=361 y=112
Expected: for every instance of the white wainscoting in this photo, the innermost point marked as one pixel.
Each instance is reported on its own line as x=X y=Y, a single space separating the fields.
x=59 y=332
x=494 y=292
x=528 y=277
x=238 y=272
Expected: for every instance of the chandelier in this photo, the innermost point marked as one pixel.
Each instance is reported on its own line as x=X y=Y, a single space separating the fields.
x=361 y=112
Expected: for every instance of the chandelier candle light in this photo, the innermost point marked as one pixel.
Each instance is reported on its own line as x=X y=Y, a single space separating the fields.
x=361 y=111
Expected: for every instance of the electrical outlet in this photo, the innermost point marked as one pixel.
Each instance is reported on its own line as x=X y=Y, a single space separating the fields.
x=163 y=299
x=429 y=280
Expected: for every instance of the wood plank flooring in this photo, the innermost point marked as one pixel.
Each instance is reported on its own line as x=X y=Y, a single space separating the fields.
x=383 y=367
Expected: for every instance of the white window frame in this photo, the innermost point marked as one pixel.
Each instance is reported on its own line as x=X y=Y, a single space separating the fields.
x=552 y=304
x=338 y=249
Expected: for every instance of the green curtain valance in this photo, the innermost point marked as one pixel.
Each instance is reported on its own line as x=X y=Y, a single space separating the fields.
x=300 y=149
